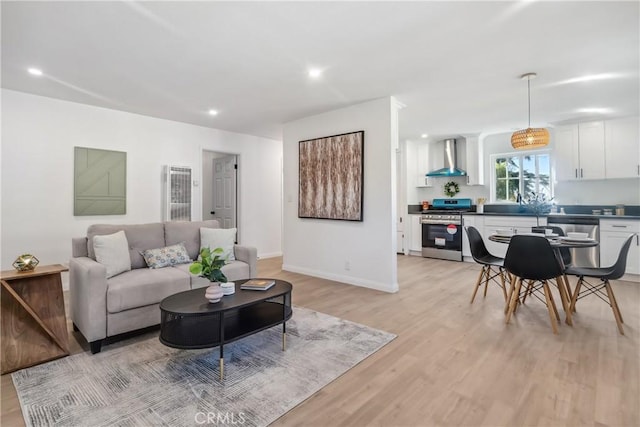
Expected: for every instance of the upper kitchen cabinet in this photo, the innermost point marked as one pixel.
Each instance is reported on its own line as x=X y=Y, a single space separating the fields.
x=418 y=163
x=473 y=156
x=580 y=152
x=622 y=147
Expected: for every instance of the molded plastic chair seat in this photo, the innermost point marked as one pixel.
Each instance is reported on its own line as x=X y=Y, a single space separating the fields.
x=488 y=261
x=532 y=258
x=604 y=274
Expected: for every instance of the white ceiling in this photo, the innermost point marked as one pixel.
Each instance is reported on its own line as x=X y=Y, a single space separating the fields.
x=455 y=65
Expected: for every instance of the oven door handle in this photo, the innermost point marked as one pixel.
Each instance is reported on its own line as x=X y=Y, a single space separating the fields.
x=443 y=222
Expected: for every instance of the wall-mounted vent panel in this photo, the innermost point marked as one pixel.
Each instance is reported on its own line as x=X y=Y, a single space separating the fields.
x=176 y=205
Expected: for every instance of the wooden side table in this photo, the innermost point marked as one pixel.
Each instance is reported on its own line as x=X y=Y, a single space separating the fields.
x=34 y=325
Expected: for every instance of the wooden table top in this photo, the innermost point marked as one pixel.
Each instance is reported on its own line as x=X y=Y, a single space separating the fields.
x=40 y=270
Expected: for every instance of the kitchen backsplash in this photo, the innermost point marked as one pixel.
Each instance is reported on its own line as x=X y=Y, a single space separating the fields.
x=591 y=192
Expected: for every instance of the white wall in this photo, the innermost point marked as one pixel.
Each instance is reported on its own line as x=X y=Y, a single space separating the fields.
x=38 y=136
x=322 y=247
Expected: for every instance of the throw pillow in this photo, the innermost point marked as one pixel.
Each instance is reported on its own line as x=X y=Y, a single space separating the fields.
x=219 y=238
x=112 y=251
x=167 y=256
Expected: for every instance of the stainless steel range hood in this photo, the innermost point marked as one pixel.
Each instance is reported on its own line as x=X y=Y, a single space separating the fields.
x=450 y=161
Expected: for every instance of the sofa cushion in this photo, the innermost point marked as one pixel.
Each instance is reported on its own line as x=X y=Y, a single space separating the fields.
x=187 y=232
x=235 y=270
x=167 y=256
x=137 y=288
x=219 y=238
x=112 y=251
x=139 y=236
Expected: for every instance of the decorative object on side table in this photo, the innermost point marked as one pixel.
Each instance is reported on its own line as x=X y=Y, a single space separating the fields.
x=451 y=188
x=25 y=262
x=208 y=265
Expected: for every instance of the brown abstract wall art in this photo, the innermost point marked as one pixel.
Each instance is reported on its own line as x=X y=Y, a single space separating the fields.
x=331 y=177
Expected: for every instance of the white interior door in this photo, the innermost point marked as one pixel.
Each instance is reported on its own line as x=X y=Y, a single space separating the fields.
x=224 y=191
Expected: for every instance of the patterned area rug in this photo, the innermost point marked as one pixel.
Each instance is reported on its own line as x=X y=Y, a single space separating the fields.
x=141 y=382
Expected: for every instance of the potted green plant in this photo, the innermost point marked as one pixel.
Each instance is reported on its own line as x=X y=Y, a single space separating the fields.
x=209 y=264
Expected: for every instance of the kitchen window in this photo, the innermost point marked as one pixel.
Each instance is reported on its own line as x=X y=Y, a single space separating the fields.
x=523 y=173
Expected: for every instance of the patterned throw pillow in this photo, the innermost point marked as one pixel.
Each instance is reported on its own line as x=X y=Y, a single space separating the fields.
x=167 y=256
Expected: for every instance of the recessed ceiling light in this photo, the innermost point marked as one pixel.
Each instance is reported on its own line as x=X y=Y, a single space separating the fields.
x=213 y=112
x=314 y=73
x=424 y=135
x=35 y=71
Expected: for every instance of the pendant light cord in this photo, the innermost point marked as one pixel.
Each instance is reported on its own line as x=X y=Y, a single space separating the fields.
x=529 y=97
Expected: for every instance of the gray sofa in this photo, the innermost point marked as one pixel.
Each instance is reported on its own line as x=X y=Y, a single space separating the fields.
x=102 y=307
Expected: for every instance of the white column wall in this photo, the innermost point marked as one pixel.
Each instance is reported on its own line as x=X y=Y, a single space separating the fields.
x=358 y=253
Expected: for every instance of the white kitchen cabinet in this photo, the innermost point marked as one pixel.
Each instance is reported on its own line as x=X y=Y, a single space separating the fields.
x=622 y=147
x=579 y=151
x=476 y=221
x=423 y=165
x=514 y=224
x=416 y=233
x=613 y=234
x=474 y=161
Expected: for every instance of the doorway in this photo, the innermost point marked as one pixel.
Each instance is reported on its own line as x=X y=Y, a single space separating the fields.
x=220 y=188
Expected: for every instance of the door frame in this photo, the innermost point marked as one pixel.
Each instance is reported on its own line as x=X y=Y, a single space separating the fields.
x=238 y=185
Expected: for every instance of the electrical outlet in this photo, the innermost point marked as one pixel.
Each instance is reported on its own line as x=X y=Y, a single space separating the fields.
x=347 y=265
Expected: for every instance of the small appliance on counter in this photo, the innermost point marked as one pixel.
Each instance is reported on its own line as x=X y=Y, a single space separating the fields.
x=442 y=229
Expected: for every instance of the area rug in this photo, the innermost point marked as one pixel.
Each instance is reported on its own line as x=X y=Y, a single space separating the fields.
x=140 y=382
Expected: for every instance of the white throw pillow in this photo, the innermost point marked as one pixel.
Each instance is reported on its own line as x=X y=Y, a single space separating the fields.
x=112 y=251
x=219 y=238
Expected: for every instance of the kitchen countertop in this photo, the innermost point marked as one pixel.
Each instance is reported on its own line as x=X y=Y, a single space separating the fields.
x=555 y=215
x=576 y=211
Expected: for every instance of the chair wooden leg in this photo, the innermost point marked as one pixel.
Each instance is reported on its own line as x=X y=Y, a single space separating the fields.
x=528 y=291
x=553 y=303
x=615 y=301
x=478 y=284
x=514 y=299
x=614 y=307
x=569 y=293
x=550 y=306
x=504 y=285
x=512 y=285
x=576 y=292
x=486 y=280
x=566 y=304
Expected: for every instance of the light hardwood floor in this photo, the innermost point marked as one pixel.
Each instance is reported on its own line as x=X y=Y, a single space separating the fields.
x=459 y=364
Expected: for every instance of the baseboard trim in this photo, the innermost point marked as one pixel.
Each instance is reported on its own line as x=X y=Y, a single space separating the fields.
x=343 y=279
x=270 y=255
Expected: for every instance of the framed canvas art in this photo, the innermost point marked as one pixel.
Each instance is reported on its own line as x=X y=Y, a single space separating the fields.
x=331 y=177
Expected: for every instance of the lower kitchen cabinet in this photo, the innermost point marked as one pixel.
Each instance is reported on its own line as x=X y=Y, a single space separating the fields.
x=613 y=234
x=476 y=221
x=416 y=233
x=515 y=225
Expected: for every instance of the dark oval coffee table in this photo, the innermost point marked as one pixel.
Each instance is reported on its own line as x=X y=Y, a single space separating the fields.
x=189 y=321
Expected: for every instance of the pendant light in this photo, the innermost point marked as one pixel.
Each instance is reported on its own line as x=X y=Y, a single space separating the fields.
x=525 y=139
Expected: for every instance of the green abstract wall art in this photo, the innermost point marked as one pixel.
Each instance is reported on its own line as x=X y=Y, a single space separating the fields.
x=100 y=182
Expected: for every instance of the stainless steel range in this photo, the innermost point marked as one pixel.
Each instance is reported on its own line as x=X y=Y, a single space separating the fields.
x=442 y=229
